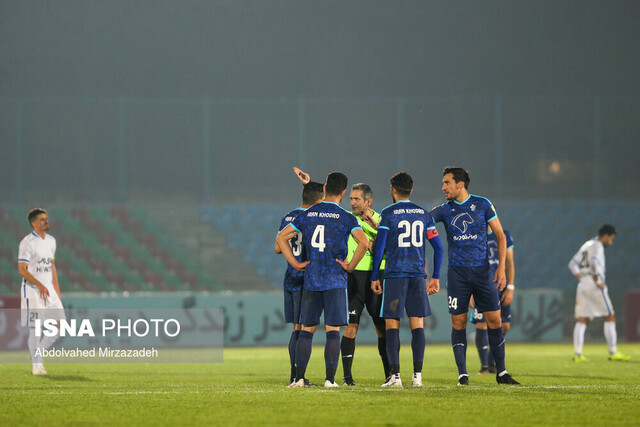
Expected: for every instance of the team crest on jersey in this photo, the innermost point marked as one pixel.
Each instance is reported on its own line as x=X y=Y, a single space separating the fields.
x=462 y=221
x=473 y=208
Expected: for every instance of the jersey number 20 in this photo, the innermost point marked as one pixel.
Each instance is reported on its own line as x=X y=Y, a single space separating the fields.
x=412 y=234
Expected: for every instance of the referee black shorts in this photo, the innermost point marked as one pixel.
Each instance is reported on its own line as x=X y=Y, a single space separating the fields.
x=360 y=295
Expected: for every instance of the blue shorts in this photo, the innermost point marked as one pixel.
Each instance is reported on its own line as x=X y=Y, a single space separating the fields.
x=292 y=301
x=333 y=302
x=505 y=315
x=404 y=294
x=462 y=282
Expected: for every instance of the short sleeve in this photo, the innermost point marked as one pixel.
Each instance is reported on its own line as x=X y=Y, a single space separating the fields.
x=353 y=223
x=384 y=221
x=429 y=222
x=490 y=212
x=297 y=223
x=24 y=251
x=509 y=240
x=283 y=223
x=436 y=214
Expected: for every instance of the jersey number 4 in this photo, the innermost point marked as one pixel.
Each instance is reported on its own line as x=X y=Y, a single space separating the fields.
x=317 y=240
x=412 y=234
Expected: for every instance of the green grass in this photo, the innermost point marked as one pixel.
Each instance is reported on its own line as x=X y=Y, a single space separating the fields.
x=250 y=388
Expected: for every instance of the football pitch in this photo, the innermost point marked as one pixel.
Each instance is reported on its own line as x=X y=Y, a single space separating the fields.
x=250 y=388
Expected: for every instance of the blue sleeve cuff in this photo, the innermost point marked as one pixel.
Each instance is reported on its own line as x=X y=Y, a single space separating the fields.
x=294 y=227
x=438 y=252
x=378 y=251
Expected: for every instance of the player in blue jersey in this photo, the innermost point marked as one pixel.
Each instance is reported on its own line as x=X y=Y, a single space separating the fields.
x=401 y=233
x=465 y=218
x=488 y=365
x=312 y=194
x=325 y=230
x=359 y=292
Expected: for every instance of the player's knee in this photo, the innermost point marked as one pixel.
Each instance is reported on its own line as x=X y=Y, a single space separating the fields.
x=505 y=327
x=459 y=321
x=351 y=330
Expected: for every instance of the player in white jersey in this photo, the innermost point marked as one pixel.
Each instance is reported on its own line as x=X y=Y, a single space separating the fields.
x=592 y=296
x=39 y=290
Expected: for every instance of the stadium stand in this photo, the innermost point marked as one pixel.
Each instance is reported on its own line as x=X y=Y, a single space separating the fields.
x=121 y=248
x=546 y=234
x=105 y=249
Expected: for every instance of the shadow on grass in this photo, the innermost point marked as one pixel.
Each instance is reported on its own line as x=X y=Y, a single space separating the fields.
x=581 y=377
x=54 y=377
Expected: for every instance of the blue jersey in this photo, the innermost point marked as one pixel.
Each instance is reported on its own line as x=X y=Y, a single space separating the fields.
x=292 y=277
x=408 y=226
x=325 y=229
x=492 y=250
x=466 y=225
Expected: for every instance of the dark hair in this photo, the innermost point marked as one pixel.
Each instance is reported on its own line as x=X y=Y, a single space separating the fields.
x=312 y=192
x=366 y=190
x=336 y=183
x=33 y=214
x=459 y=175
x=606 y=230
x=403 y=183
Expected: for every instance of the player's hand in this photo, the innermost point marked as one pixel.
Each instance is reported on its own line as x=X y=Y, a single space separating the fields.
x=345 y=265
x=601 y=284
x=578 y=276
x=301 y=265
x=44 y=292
x=375 y=287
x=433 y=286
x=302 y=176
x=367 y=216
x=500 y=279
x=507 y=297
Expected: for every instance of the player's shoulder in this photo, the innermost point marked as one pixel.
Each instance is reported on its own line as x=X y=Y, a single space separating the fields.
x=29 y=238
x=442 y=207
x=292 y=215
x=49 y=238
x=479 y=199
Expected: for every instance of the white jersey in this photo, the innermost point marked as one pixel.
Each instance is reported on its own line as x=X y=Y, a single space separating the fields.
x=589 y=260
x=39 y=254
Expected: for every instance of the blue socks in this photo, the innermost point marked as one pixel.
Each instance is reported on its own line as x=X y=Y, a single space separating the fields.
x=496 y=344
x=418 y=343
x=303 y=353
x=482 y=344
x=332 y=354
x=459 y=345
x=292 y=353
x=393 y=351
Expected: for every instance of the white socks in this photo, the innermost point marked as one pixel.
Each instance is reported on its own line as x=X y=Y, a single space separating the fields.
x=47 y=342
x=33 y=342
x=578 y=337
x=611 y=336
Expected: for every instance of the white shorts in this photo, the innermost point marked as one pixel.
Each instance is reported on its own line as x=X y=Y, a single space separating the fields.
x=592 y=301
x=34 y=307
